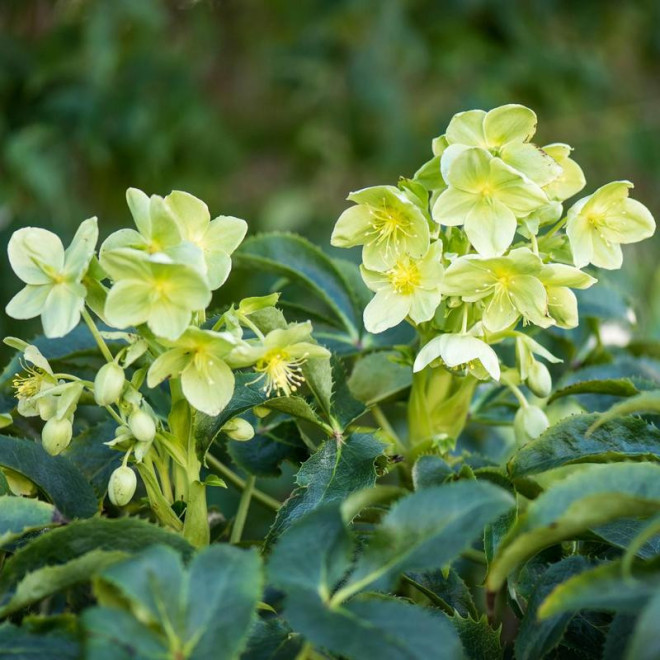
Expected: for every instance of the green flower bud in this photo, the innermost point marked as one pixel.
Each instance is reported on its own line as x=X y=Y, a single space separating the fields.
x=18 y=484
x=529 y=423
x=56 y=435
x=539 y=380
x=122 y=485
x=142 y=426
x=239 y=429
x=108 y=384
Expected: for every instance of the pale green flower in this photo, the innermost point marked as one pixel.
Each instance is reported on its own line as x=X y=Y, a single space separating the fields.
x=509 y=287
x=571 y=180
x=217 y=239
x=279 y=357
x=486 y=195
x=198 y=357
x=562 y=303
x=598 y=225
x=53 y=276
x=505 y=132
x=464 y=351
x=386 y=222
x=409 y=287
x=153 y=289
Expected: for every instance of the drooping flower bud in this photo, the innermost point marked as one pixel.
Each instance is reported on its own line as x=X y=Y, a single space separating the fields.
x=239 y=429
x=539 y=379
x=142 y=425
x=108 y=384
x=529 y=423
x=56 y=435
x=122 y=485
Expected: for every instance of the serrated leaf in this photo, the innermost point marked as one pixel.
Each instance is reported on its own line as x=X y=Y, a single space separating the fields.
x=602 y=588
x=622 y=532
x=610 y=386
x=21 y=644
x=345 y=408
x=336 y=470
x=377 y=376
x=646 y=402
x=568 y=442
x=447 y=587
x=480 y=640
x=66 y=543
x=205 y=609
x=426 y=530
x=587 y=499
x=272 y=639
x=49 y=580
x=19 y=515
x=430 y=471
x=537 y=637
x=301 y=261
x=56 y=476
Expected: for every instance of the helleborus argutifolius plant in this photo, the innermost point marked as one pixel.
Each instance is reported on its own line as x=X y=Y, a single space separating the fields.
x=502 y=257
x=152 y=285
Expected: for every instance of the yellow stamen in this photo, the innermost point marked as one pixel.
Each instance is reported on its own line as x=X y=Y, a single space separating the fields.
x=404 y=276
x=283 y=373
x=389 y=226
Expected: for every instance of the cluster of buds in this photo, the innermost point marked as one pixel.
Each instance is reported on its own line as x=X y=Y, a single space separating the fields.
x=478 y=241
x=151 y=285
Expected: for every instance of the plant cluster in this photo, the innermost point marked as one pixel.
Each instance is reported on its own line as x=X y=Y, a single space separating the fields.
x=476 y=471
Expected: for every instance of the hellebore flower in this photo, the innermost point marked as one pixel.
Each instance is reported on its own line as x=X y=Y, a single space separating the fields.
x=505 y=132
x=408 y=287
x=571 y=180
x=53 y=276
x=562 y=303
x=486 y=195
x=152 y=289
x=460 y=350
x=279 y=357
x=509 y=286
x=217 y=239
x=598 y=224
x=198 y=357
x=386 y=222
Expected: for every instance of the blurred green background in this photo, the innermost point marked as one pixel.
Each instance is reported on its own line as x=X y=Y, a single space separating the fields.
x=274 y=111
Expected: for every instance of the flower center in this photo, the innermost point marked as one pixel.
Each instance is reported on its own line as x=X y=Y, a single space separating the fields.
x=28 y=384
x=404 y=276
x=389 y=226
x=282 y=372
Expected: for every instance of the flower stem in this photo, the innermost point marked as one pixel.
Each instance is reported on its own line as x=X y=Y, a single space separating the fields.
x=97 y=336
x=243 y=507
x=384 y=423
x=238 y=482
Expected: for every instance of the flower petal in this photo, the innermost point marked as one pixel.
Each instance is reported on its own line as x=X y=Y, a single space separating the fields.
x=424 y=304
x=529 y=296
x=29 y=301
x=500 y=313
x=167 y=319
x=563 y=275
x=532 y=161
x=467 y=128
x=385 y=310
x=469 y=170
x=580 y=236
x=168 y=365
x=563 y=306
x=224 y=233
x=138 y=204
x=509 y=123
x=453 y=206
x=61 y=311
x=165 y=230
x=520 y=194
x=353 y=227
x=606 y=254
x=490 y=226
x=128 y=303
x=31 y=250
x=631 y=224
x=209 y=389
x=80 y=252
x=191 y=213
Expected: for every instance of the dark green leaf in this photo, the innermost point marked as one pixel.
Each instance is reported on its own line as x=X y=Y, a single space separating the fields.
x=567 y=442
x=480 y=640
x=430 y=471
x=20 y=644
x=271 y=639
x=345 y=408
x=336 y=470
x=618 y=637
x=19 y=515
x=378 y=376
x=66 y=543
x=611 y=386
x=592 y=497
x=645 y=641
x=622 y=532
x=56 y=476
x=450 y=590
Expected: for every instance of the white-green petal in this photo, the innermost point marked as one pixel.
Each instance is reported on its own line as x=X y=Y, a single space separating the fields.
x=467 y=128
x=453 y=206
x=469 y=170
x=490 y=226
x=224 y=233
x=606 y=254
x=78 y=255
x=168 y=365
x=35 y=254
x=386 y=310
x=165 y=230
x=29 y=301
x=564 y=275
x=630 y=223
x=192 y=213
x=563 y=306
x=284 y=337
x=520 y=194
x=424 y=304
x=580 y=235
x=532 y=161
x=167 y=319
x=308 y=350
x=353 y=227
x=139 y=206
x=374 y=279
x=529 y=296
x=61 y=311
x=500 y=313
x=210 y=389
x=509 y=123
x=128 y=303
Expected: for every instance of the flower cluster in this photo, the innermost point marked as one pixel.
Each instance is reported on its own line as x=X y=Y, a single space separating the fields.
x=151 y=287
x=478 y=241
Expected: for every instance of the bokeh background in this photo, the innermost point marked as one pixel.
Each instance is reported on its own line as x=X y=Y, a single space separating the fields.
x=274 y=111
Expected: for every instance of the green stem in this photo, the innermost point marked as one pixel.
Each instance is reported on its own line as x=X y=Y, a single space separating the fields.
x=115 y=416
x=243 y=507
x=246 y=321
x=384 y=423
x=97 y=336
x=240 y=483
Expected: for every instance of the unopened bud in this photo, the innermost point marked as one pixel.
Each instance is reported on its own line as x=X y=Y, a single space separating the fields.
x=239 y=429
x=18 y=484
x=529 y=423
x=108 y=384
x=122 y=485
x=539 y=380
x=142 y=426
x=56 y=435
